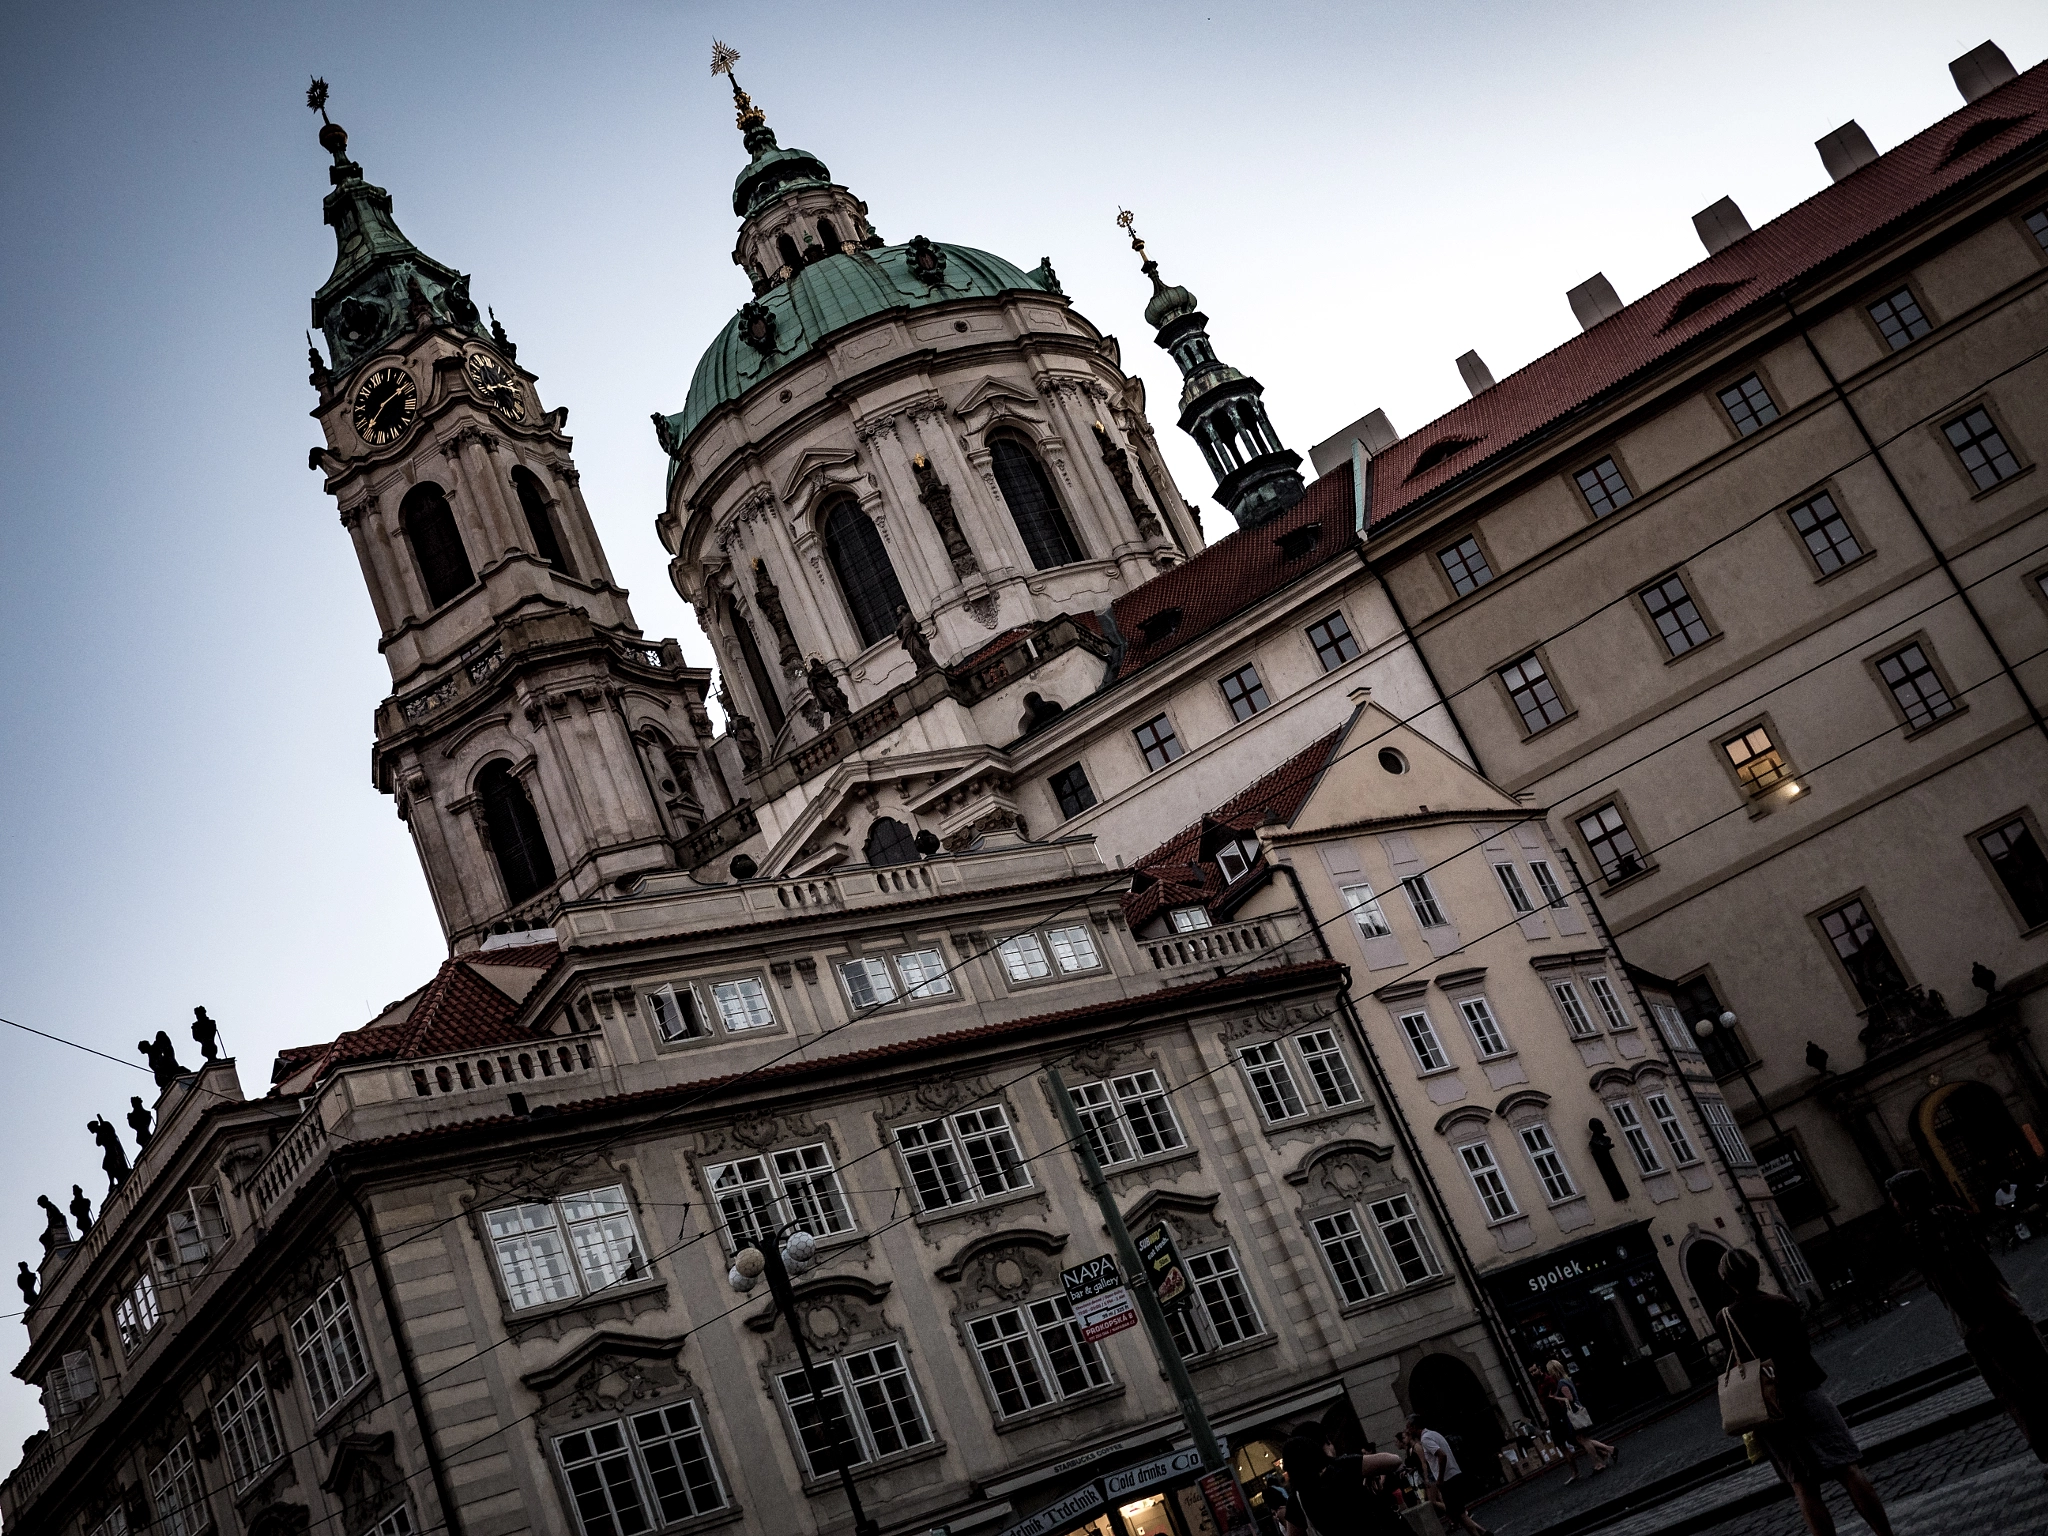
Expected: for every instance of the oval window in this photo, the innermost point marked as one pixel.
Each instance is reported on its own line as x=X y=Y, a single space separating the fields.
x=1393 y=761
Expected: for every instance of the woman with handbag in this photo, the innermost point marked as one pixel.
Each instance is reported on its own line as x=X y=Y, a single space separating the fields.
x=1773 y=1388
x=1576 y=1419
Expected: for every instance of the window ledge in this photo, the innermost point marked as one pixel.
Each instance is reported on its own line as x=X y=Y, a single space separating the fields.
x=1107 y=1392
x=1992 y=490
x=1644 y=873
x=1436 y=1071
x=1913 y=732
x=816 y=1484
x=979 y=1203
x=1529 y=735
x=1315 y=1117
x=1266 y=1340
x=652 y=1287
x=1846 y=565
x=1150 y=1161
x=1693 y=649
x=369 y=1380
x=1398 y=1294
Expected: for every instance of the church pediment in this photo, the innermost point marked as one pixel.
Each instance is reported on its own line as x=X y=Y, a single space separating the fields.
x=998 y=397
x=817 y=471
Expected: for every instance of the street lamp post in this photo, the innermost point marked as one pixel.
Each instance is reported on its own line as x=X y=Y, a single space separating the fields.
x=1729 y=1020
x=794 y=1251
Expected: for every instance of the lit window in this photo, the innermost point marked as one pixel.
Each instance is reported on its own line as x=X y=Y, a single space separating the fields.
x=1423 y=1041
x=1157 y=742
x=1673 y=1128
x=329 y=1352
x=1637 y=1137
x=1912 y=680
x=874 y=1401
x=675 y=1013
x=1188 y=919
x=1406 y=1241
x=1511 y=887
x=924 y=973
x=1487 y=1183
x=2017 y=860
x=1546 y=882
x=1327 y=1068
x=248 y=1428
x=1071 y=789
x=1676 y=616
x=1222 y=1314
x=968 y=1156
x=1272 y=1082
x=1073 y=948
x=180 y=1496
x=666 y=1454
x=1024 y=958
x=1127 y=1118
x=1727 y=1134
x=1749 y=405
x=1826 y=534
x=1349 y=1256
x=1610 y=1003
x=1899 y=318
x=867 y=982
x=1422 y=900
x=1333 y=642
x=534 y=1256
x=1981 y=447
x=1604 y=489
x=1244 y=693
x=1758 y=764
x=1034 y=1356
x=1365 y=911
x=1535 y=696
x=757 y=1196
x=1234 y=858
x=1485 y=1028
x=1557 y=1181
x=1466 y=565
x=743 y=1004
x=1609 y=841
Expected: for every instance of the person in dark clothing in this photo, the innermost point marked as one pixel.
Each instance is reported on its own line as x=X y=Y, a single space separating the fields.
x=1336 y=1495
x=1996 y=1330
x=1810 y=1442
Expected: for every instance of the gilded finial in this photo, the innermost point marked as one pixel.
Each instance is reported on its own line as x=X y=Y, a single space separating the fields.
x=316 y=97
x=1128 y=222
x=746 y=114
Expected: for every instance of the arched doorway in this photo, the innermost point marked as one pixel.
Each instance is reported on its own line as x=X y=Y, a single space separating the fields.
x=1969 y=1138
x=1452 y=1402
x=1703 y=1270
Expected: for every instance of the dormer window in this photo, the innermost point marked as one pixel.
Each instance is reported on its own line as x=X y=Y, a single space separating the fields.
x=1236 y=857
x=1297 y=542
x=1159 y=626
x=1189 y=919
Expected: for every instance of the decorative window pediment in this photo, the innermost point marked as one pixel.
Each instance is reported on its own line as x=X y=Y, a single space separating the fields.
x=1005 y=1265
x=1339 y=1169
x=819 y=470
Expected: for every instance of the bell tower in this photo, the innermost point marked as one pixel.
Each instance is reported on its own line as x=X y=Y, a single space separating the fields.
x=540 y=749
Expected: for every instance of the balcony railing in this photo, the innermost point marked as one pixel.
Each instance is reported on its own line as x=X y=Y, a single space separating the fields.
x=1280 y=939
x=290 y=1160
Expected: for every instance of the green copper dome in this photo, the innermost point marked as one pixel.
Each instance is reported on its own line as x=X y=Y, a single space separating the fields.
x=829 y=295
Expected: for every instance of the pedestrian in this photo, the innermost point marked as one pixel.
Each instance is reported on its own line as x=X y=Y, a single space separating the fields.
x=1996 y=1330
x=2006 y=1201
x=1809 y=1442
x=1566 y=1393
x=1333 y=1495
x=1443 y=1480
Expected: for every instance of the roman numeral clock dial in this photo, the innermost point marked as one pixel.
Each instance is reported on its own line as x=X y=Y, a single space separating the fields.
x=491 y=380
x=385 y=405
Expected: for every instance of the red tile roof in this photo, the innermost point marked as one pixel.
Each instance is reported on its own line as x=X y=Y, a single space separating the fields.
x=1176 y=875
x=1234 y=573
x=1748 y=275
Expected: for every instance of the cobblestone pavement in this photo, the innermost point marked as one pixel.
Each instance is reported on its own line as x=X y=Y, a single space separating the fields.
x=1915 y=1334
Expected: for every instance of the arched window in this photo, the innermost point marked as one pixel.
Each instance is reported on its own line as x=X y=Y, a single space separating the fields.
x=757 y=670
x=865 y=575
x=1047 y=538
x=540 y=521
x=786 y=249
x=516 y=841
x=829 y=238
x=890 y=842
x=429 y=524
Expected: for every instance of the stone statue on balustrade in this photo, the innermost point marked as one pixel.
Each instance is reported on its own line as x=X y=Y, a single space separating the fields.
x=56 y=1231
x=81 y=1210
x=207 y=1033
x=163 y=1058
x=910 y=635
x=115 y=1157
x=25 y=1278
x=138 y=1122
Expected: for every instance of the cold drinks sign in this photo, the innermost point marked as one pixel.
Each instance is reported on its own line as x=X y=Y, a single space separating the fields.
x=1101 y=1302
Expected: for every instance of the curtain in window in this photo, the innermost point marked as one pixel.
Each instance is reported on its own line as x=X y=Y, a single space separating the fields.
x=865 y=575
x=516 y=841
x=1029 y=496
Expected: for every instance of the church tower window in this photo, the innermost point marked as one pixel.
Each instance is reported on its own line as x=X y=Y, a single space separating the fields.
x=540 y=521
x=757 y=669
x=516 y=840
x=1047 y=538
x=829 y=238
x=786 y=249
x=436 y=544
x=865 y=575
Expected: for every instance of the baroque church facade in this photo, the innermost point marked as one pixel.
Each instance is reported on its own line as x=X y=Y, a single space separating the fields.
x=1016 y=773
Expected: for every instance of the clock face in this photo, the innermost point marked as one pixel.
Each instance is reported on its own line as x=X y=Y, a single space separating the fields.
x=385 y=405
x=494 y=382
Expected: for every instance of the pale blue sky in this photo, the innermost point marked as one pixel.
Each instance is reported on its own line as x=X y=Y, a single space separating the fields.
x=1358 y=193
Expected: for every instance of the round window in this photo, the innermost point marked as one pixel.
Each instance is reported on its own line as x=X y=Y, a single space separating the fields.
x=1393 y=761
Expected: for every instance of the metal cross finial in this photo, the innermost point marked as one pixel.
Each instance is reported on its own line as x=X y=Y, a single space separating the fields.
x=1128 y=221
x=723 y=58
x=316 y=97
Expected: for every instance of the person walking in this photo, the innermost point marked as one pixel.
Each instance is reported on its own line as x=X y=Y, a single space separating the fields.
x=1334 y=1495
x=1564 y=1392
x=1443 y=1480
x=1810 y=1442
x=1996 y=1330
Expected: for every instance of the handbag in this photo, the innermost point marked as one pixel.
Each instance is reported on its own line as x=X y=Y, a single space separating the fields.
x=1576 y=1413
x=1749 y=1388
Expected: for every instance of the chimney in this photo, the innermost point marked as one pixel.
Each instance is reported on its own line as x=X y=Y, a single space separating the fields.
x=1720 y=226
x=1372 y=431
x=1846 y=150
x=1981 y=71
x=1477 y=376
x=1594 y=300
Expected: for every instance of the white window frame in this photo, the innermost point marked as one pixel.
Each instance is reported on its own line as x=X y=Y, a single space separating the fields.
x=1024 y=959
x=874 y=975
x=1073 y=948
x=1366 y=911
x=1672 y=1023
x=1578 y=1022
x=677 y=1012
x=569 y=1253
x=1219 y=1286
x=1030 y=1340
x=1322 y=1057
x=1665 y=1113
x=330 y=1349
x=1511 y=887
x=980 y=1159
x=1423 y=900
x=1190 y=919
x=925 y=977
x=200 y=1230
x=398 y=1522
x=1244 y=852
x=1483 y=1026
x=1547 y=884
x=1609 y=1002
x=764 y=1185
x=248 y=1429
x=1110 y=1113
x=1273 y=1086
x=178 y=1493
x=1424 y=1042
x=857 y=1407
x=1488 y=1182
x=1637 y=1135
x=138 y=1311
x=1397 y=1212
x=632 y=1441
x=1341 y=1237
x=743 y=997
x=1548 y=1162
x=1727 y=1134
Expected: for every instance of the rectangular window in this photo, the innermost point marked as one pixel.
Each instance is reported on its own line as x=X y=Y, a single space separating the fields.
x=1609 y=841
x=1237 y=856
x=1127 y=1118
x=1333 y=642
x=1604 y=489
x=1024 y=958
x=1759 y=766
x=179 y=1496
x=397 y=1523
x=1637 y=1137
x=1350 y=1257
x=867 y=982
x=1271 y=1081
x=1675 y=614
x=1511 y=887
x=675 y=1013
x=602 y=1236
x=924 y=974
x=1422 y=1040
x=1073 y=948
x=1749 y=405
x=2017 y=860
x=136 y=1313
x=73 y=1384
x=1826 y=534
x=1244 y=693
x=1672 y=1022
x=676 y=1456
x=1611 y=1012
x=877 y=1402
x=669 y=1453
x=115 y=1523
x=1190 y=919
x=1727 y=1134
x=2037 y=225
x=952 y=1162
x=248 y=1428
x=1491 y=1188
x=330 y=1354
x=756 y=1195
x=1863 y=951
x=1673 y=1128
x=1035 y=1355
x=1981 y=447
x=1401 y=1229
x=1422 y=900
x=1576 y=1019
x=532 y=1258
x=1546 y=882
x=934 y=1165
x=1365 y=911
x=200 y=1230
x=742 y=1004
x=1102 y=1122
x=1466 y=565
x=1898 y=317
x=1157 y=742
x=1071 y=789
x=1534 y=696
x=1223 y=1313
x=1327 y=1068
x=1485 y=1030
x=1557 y=1182
x=1912 y=680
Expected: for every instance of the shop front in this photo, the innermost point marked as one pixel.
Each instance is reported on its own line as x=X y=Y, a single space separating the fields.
x=1606 y=1308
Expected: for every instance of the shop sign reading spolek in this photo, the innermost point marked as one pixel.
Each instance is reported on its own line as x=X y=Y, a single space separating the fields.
x=1101 y=1302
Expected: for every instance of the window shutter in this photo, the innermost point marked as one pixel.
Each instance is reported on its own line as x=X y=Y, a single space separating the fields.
x=186 y=1242
x=81 y=1377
